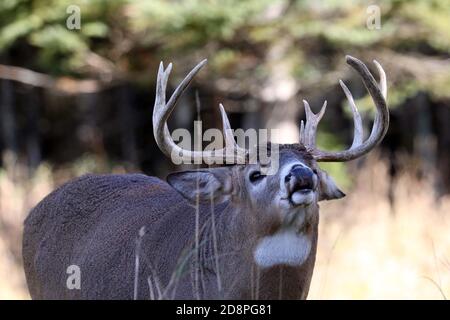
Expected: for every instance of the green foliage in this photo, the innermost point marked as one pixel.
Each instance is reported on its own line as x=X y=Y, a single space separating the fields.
x=42 y=24
x=231 y=30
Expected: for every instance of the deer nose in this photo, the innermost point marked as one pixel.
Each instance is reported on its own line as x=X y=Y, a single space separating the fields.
x=300 y=178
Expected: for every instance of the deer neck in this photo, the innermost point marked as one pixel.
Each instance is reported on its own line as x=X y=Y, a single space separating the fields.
x=226 y=256
x=225 y=235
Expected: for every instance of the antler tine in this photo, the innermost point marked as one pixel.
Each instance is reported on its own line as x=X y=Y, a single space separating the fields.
x=231 y=146
x=381 y=122
x=383 y=85
x=160 y=105
x=358 y=133
x=308 y=131
x=228 y=136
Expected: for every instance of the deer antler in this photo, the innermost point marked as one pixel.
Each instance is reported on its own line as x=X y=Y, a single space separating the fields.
x=380 y=126
x=308 y=132
x=162 y=111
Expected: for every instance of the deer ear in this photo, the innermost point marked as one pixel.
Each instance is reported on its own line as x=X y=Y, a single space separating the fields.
x=203 y=185
x=328 y=189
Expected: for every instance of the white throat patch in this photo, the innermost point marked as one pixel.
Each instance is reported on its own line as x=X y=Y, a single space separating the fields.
x=285 y=247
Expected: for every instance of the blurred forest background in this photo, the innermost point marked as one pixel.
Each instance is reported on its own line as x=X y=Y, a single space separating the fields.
x=77 y=100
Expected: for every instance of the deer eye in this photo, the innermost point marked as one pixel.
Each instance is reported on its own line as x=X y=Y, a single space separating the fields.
x=256 y=176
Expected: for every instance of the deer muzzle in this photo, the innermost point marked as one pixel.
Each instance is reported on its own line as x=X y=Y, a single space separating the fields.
x=301 y=182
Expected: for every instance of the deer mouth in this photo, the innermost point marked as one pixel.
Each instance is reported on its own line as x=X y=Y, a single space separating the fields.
x=302 y=194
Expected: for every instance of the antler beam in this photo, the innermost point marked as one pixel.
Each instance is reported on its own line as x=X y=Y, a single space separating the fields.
x=162 y=111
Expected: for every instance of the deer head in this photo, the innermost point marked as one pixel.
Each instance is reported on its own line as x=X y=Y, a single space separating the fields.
x=280 y=211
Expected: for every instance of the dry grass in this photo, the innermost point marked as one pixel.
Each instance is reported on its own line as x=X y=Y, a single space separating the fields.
x=367 y=249
x=370 y=250
x=17 y=196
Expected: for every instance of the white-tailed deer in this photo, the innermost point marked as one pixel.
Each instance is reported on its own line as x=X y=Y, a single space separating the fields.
x=224 y=232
